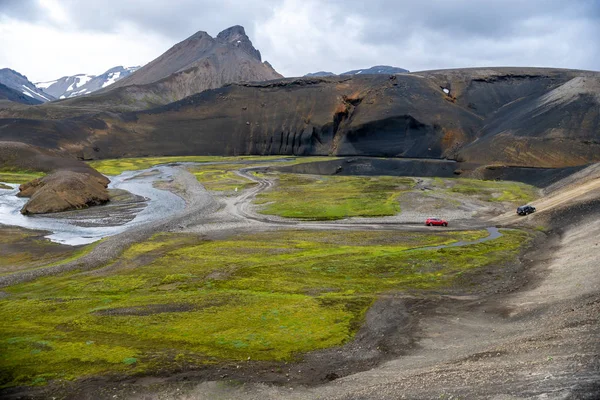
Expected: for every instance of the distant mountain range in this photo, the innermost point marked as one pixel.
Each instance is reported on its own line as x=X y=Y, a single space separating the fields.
x=81 y=84
x=21 y=84
x=378 y=69
x=198 y=63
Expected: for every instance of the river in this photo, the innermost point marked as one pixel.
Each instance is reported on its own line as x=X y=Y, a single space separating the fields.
x=90 y=225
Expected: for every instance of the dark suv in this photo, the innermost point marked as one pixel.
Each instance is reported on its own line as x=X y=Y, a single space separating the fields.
x=524 y=210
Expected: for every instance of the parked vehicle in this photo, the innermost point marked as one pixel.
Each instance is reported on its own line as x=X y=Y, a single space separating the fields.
x=524 y=210
x=436 y=222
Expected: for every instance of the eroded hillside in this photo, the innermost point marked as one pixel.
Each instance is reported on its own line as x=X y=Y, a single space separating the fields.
x=524 y=116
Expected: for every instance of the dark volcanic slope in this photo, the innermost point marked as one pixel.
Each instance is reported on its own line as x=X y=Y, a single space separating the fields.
x=524 y=116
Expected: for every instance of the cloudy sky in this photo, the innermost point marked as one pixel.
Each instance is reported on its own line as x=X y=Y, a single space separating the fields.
x=47 y=39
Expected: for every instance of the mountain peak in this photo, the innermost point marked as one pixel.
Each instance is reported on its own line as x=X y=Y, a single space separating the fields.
x=236 y=35
x=232 y=33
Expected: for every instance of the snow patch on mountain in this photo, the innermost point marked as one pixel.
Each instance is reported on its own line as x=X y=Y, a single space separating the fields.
x=112 y=78
x=34 y=94
x=83 y=84
x=44 y=85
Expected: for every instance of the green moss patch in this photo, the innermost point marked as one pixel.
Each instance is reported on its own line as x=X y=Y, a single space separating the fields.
x=333 y=197
x=220 y=177
x=176 y=300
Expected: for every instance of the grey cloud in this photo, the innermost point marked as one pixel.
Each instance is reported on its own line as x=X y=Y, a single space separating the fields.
x=20 y=9
x=416 y=34
x=460 y=33
x=463 y=19
x=174 y=19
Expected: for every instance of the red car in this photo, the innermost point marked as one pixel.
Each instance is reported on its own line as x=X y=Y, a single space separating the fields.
x=436 y=222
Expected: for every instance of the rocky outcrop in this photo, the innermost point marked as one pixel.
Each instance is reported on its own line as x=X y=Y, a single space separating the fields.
x=63 y=190
x=69 y=183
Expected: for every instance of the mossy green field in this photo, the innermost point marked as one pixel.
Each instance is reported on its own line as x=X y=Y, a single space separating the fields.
x=333 y=197
x=178 y=300
x=222 y=177
x=315 y=197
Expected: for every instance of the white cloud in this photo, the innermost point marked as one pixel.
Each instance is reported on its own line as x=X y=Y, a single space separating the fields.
x=45 y=52
x=298 y=42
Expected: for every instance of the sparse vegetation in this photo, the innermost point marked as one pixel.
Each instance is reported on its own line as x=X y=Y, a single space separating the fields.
x=501 y=191
x=267 y=296
x=23 y=249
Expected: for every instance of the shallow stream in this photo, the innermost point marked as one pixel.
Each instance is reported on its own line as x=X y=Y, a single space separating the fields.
x=90 y=225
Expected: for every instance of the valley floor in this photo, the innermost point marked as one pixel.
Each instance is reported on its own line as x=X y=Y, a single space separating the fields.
x=511 y=317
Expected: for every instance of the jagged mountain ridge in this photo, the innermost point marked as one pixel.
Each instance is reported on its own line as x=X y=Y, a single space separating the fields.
x=231 y=49
x=21 y=84
x=82 y=84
